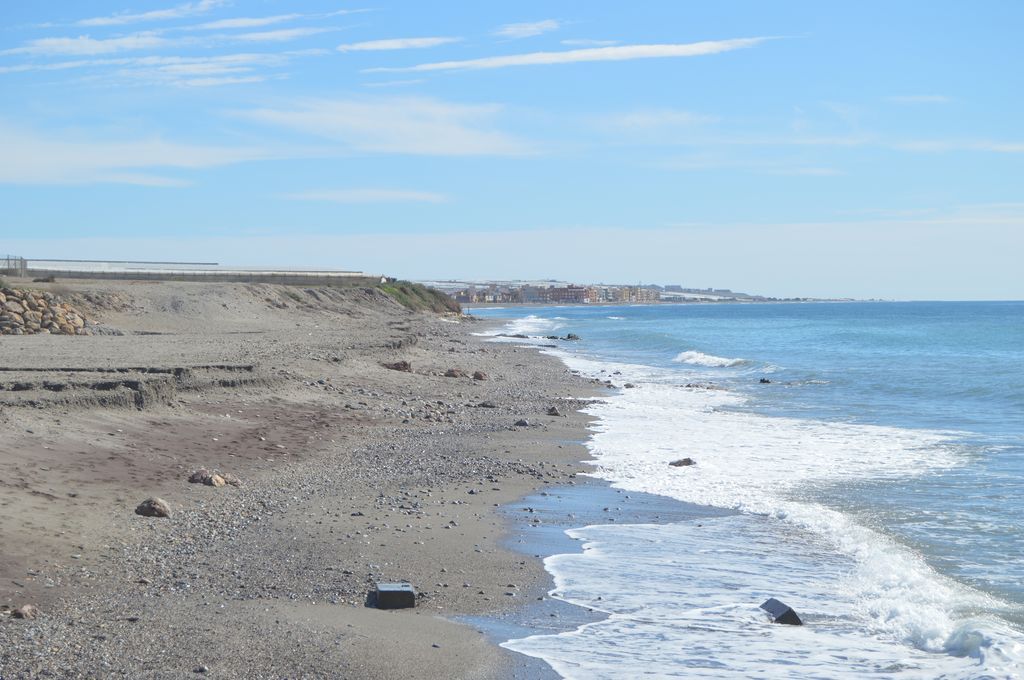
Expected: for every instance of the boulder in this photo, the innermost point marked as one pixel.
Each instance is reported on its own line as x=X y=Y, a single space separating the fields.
x=479 y=375
x=455 y=373
x=553 y=411
x=232 y=480
x=214 y=480
x=629 y=386
x=487 y=404
x=14 y=307
x=522 y=422
x=765 y=381
x=683 y=462
x=26 y=611
x=199 y=476
x=153 y=507
x=572 y=336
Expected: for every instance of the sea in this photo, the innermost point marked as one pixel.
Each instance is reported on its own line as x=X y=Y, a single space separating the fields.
x=870 y=456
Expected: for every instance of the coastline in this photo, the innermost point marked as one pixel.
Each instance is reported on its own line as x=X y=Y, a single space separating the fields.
x=351 y=474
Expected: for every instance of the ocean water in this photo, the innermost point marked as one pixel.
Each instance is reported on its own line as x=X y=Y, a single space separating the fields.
x=878 y=475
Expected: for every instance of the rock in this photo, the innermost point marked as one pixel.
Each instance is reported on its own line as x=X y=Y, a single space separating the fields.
x=553 y=411
x=455 y=373
x=214 y=480
x=153 y=507
x=399 y=366
x=781 y=613
x=26 y=611
x=522 y=422
x=231 y=480
x=199 y=476
x=629 y=386
x=487 y=404
x=571 y=336
x=683 y=462
x=14 y=307
x=765 y=381
x=479 y=375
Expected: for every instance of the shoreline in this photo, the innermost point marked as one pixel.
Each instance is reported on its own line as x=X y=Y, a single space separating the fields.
x=351 y=474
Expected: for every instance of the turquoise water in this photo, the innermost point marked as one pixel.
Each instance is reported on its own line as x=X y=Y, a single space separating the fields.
x=883 y=460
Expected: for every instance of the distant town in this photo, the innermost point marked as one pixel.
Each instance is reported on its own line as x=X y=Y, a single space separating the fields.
x=561 y=292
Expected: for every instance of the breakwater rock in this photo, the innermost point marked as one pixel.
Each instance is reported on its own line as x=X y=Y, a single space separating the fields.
x=26 y=312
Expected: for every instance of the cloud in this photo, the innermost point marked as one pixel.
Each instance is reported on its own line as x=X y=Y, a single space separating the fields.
x=281 y=35
x=920 y=99
x=86 y=46
x=246 y=22
x=407 y=125
x=619 y=53
x=178 y=12
x=33 y=158
x=368 y=196
x=527 y=30
x=396 y=44
x=165 y=67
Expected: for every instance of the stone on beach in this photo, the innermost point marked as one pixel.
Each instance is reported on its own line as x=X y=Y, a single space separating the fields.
x=199 y=476
x=153 y=507
x=455 y=373
x=26 y=611
x=479 y=375
x=399 y=366
x=683 y=462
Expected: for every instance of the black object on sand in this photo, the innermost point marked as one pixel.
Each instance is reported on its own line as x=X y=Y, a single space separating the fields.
x=781 y=613
x=395 y=596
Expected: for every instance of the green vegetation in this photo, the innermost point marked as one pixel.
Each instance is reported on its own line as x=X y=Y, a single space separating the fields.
x=419 y=298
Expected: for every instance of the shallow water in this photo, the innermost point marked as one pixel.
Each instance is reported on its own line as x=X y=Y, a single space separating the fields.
x=878 y=475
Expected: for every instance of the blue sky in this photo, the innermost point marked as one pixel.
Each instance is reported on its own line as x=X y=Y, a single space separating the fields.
x=869 y=149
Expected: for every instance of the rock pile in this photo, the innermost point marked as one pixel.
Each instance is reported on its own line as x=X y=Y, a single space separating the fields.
x=25 y=312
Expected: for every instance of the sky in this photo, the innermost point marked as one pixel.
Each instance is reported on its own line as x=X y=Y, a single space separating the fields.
x=854 y=149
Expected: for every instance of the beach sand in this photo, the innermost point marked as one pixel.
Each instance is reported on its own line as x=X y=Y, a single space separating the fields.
x=350 y=473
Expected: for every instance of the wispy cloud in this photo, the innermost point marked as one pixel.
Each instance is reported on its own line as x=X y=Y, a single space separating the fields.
x=396 y=44
x=246 y=22
x=527 y=30
x=408 y=125
x=165 y=67
x=178 y=12
x=920 y=99
x=33 y=158
x=619 y=53
x=281 y=35
x=86 y=46
x=368 y=196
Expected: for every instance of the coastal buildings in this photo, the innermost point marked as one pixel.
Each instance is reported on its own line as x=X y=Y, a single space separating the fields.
x=553 y=292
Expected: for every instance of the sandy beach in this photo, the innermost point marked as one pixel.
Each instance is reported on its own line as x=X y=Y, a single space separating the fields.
x=348 y=473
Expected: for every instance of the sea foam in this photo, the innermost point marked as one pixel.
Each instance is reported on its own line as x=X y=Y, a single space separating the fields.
x=695 y=358
x=683 y=598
